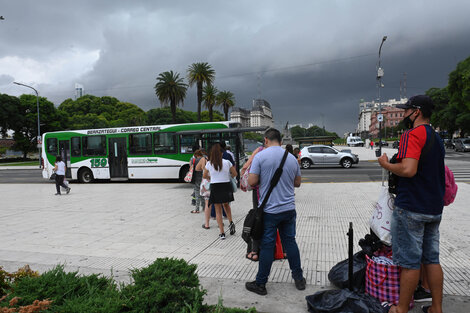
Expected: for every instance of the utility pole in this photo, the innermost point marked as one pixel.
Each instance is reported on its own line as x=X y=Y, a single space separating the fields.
x=380 y=74
x=39 y=124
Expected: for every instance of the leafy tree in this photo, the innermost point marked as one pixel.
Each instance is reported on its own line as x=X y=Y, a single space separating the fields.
x=26 y=131
x=459 y=94
x=216 y=116
x=225 y=99
x=298 y=131
x=9 y=113
x=253 y=136
x=313 y=131
x=171 y=90
x=209 y=96
x=200 y=73
x=98 y=112
x=452 y=103
x=162 y=116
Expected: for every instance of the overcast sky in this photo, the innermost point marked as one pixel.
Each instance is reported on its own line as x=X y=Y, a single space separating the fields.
x=313 y=61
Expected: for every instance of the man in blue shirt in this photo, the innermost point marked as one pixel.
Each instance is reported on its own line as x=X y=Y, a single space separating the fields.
x=279 y=212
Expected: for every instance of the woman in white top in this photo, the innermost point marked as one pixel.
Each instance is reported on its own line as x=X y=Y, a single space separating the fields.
x=59 y=170
x=220 y=171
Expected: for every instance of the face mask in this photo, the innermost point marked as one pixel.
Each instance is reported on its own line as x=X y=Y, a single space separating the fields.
x=408 y=122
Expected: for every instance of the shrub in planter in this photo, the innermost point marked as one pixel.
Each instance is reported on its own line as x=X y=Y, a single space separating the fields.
x=68 y=292
x=167 y=285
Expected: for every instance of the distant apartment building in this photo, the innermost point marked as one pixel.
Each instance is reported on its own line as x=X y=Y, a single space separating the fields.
x=260 y=115
x=368 y=115
x=392 y=116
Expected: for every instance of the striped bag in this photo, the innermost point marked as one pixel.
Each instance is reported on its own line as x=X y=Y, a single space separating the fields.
x=383 y=281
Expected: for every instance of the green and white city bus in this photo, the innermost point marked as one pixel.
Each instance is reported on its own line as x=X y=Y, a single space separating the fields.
x=137 y=152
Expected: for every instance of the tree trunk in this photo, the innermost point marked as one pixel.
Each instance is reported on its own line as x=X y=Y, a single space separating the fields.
x=226 y=112
x=199 y=100
x=173 y=110
x=210 y=113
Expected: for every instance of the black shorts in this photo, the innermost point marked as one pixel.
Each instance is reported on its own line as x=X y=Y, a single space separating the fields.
x=221 y=193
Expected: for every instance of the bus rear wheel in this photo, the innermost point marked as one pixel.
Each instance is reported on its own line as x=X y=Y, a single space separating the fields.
x=85 y=176
x=183 y=171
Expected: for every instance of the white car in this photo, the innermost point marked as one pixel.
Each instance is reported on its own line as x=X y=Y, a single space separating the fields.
x=324 y=155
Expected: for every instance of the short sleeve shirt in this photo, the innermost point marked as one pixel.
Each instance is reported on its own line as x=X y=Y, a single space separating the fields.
x=60 y=168
x=222 y=175
x=424 y=192
x=264 y=164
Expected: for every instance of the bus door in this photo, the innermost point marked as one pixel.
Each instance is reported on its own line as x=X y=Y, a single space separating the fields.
x=64 y=152
x=117 y=157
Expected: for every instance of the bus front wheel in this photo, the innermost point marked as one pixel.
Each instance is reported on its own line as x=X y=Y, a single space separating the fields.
x=85 y=176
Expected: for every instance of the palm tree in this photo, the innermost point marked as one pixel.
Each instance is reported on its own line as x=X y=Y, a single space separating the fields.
x=227 y=100
x=200 y=73
x=209 y=95
x=171 y=89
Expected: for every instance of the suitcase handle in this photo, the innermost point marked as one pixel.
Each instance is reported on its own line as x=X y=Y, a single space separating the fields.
x=369 y=262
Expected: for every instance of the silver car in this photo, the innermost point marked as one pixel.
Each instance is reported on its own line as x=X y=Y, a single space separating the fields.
x=462 y=144
x=320 y=154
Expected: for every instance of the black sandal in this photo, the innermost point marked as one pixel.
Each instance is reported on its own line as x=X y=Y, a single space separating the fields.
x=205 y=227
x=195 y=211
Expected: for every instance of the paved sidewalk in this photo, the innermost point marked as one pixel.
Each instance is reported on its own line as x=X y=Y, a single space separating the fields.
x=104 y=228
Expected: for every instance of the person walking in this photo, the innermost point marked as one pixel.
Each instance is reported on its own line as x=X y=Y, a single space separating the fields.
x=418 y=204
x=59 y=170
x=279 y=211
x=371 y=145
x=220 y=171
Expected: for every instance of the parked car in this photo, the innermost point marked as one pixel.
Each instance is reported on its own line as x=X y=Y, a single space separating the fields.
x=396 y=144
x=462 y=144
x=321 y=154
x=384 y=143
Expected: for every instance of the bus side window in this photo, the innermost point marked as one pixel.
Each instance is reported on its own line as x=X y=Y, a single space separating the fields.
x=76 y=147
x=140 y=144
x=187 y=142
x=164 y=143
x=51 y=144
x=94 y=145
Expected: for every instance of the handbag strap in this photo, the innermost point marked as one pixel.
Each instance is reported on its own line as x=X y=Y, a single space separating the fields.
x=274 y=181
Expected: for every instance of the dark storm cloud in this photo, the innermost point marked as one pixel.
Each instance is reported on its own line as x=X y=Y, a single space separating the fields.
x=313 y=61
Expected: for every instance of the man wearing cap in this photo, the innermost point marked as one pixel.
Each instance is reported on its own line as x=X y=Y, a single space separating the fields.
x=418 y=204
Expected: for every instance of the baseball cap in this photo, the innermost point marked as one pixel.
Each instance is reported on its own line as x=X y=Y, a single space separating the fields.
x=421 y=102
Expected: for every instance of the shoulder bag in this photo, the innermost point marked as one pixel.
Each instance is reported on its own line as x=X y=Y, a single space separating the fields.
x=253 y=225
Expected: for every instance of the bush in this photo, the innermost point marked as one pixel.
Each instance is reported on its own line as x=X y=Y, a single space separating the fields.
x=68 y=292
x=167 y=285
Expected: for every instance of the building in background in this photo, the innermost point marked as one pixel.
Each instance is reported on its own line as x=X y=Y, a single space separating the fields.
x=260 y=115
x=79 y=91
x=368 y=124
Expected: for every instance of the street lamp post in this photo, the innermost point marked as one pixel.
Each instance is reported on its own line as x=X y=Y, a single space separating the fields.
x=38 y=139
x=380 y=74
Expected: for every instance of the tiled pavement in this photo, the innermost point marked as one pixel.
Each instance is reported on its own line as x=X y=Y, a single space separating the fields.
x=110 y=228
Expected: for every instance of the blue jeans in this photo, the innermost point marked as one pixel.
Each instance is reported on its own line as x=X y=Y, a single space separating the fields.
x=415 y=238
x=285 y=222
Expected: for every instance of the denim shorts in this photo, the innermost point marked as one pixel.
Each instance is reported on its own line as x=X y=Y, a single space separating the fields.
x=415 y=238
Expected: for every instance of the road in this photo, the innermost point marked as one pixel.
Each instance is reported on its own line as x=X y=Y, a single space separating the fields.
x=365 y=171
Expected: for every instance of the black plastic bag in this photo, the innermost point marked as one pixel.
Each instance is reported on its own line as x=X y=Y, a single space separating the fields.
x=370 y=243
x=338 y=274
x=342 y=301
